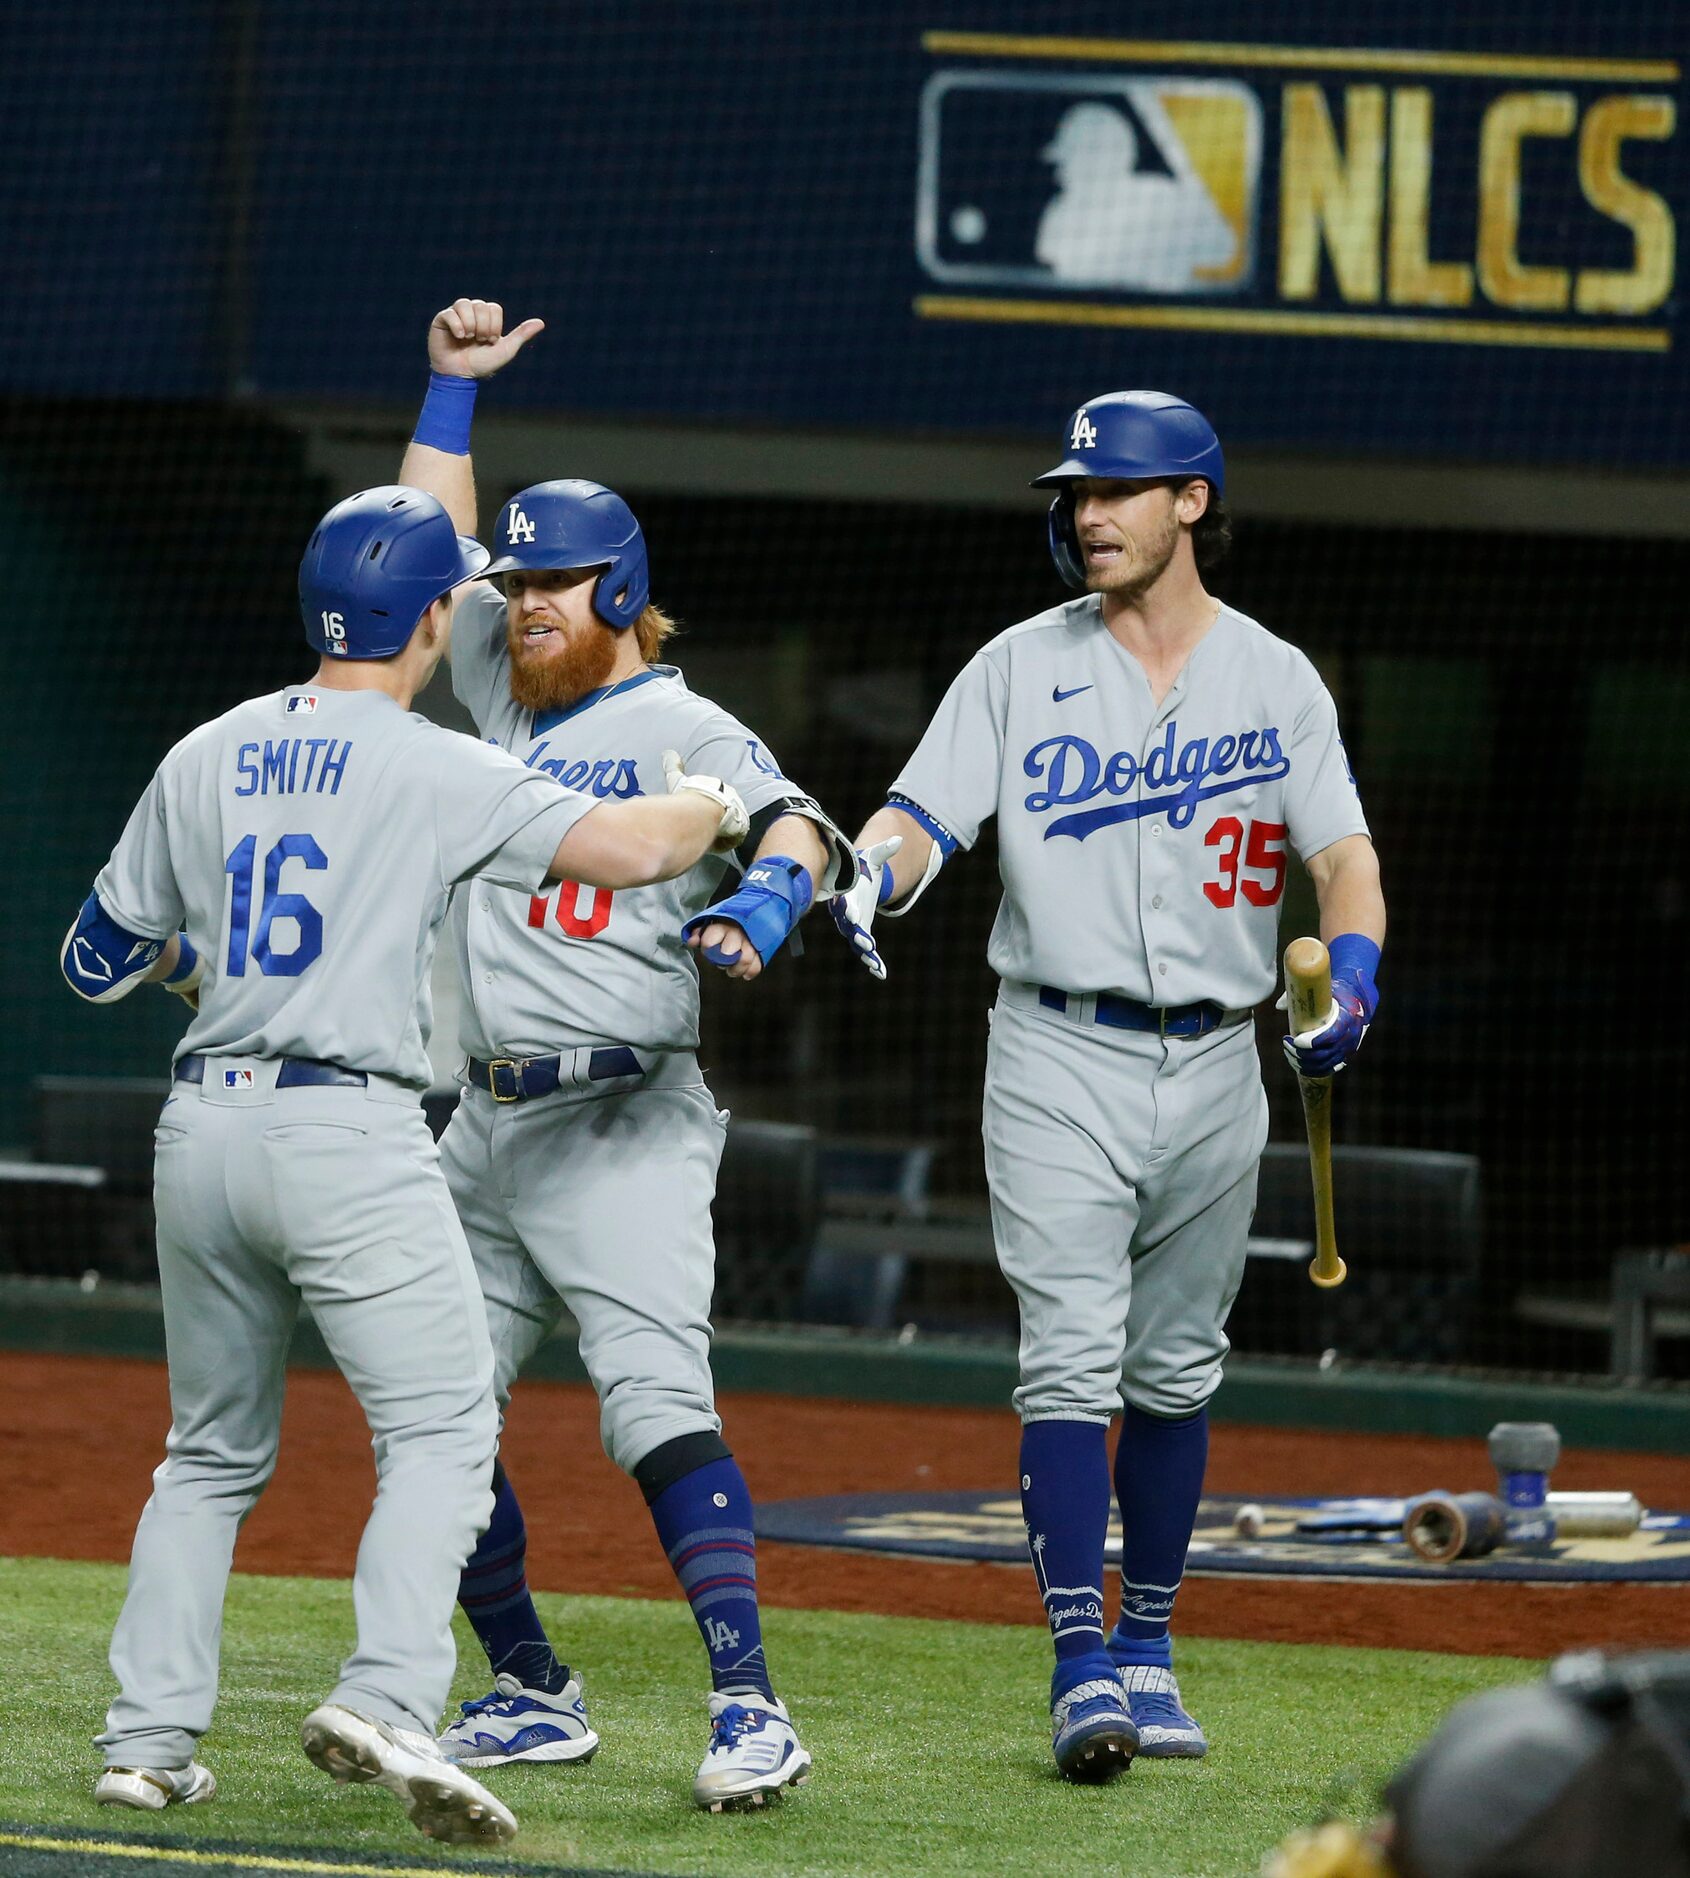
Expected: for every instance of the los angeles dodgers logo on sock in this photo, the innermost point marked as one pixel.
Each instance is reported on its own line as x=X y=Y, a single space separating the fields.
x=1071 y=1609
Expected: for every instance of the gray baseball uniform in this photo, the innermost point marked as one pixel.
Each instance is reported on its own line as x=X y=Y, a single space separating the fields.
x=597 y=1197
x=317 y=834
x=1143 y=855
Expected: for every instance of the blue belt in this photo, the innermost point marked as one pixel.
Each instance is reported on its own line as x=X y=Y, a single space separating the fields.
x=296 y=1072
x=521 y=1079
x=1165 y=1020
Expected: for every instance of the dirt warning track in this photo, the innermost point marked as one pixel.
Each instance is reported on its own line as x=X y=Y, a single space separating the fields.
x=80 y=1436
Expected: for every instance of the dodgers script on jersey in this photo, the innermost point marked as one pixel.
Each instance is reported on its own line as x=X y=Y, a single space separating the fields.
x=549 y=972
x=309 y=841
x=1142 y=847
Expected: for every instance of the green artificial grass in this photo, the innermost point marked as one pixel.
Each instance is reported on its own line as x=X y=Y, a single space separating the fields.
x=930 y=1739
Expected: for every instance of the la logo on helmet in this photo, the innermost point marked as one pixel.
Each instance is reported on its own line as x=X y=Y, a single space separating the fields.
x=1085 y=433
x=520 y=527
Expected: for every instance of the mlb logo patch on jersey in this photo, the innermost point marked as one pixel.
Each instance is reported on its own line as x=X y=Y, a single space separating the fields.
x=237 y=1079
x=306 y=701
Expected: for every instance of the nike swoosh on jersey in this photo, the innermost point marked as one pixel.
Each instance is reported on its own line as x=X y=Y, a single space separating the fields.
x=1059 y=696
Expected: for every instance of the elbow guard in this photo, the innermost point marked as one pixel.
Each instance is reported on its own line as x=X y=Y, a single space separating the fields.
x=840 y=873
x=772 y=898
x=103 y=961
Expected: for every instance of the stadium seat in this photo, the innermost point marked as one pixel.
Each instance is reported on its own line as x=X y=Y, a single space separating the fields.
x=1408 y=1224
x=768 y=1201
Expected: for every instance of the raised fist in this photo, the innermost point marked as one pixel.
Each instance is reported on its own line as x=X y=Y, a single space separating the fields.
x=468 y=339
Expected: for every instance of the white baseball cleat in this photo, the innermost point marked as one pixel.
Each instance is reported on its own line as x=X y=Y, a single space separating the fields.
x=516 y=1723
x=150 y=1788
x=442 y=1800
x=754 y=1751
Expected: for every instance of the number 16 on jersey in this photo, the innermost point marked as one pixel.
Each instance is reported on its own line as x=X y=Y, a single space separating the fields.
x=264 y=951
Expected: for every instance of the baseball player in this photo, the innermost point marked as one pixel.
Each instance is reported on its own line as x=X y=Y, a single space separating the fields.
x=317 y=832
x=582 y=1155
x=1150 y=754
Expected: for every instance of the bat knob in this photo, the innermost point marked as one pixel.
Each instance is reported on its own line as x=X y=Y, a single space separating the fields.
x=1328 y=1280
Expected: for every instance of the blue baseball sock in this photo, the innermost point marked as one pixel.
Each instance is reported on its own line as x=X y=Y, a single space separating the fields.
x=1065 y=1502
x=704 y=1522
x=493 y=1592
x=1159 y=1467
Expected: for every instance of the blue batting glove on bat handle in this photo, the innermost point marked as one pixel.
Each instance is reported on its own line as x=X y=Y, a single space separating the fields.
x=1355 y=999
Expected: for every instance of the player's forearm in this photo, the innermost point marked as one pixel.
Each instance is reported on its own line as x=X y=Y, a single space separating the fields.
x=446 y=476
x=166 y=962
x=1346 y=883
x=797 y=839
x=637 y=843
x=908 y=867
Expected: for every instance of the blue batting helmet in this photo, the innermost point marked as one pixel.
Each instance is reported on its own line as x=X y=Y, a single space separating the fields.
x=578 y=524
x=1133 y=435
x=375 y=565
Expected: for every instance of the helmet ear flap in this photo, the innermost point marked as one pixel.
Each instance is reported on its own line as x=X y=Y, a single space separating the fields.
x=621 y=591
x=1065 y=541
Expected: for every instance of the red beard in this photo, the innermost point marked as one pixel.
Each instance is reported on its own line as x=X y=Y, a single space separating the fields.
x=554 y=679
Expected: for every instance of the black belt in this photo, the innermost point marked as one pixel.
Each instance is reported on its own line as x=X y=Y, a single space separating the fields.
x=521 y=1079
x=1166 y=1020
x=296 y=1072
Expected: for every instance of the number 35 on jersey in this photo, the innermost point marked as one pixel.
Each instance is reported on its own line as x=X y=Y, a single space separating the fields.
x=1251 y=859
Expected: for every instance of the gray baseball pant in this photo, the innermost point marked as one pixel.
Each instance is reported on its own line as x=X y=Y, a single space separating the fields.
x=334 y=1197
x=1122 y=1169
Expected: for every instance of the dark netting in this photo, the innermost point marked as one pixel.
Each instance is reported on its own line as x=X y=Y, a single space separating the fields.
x=1514 y=724
x=1426 y=289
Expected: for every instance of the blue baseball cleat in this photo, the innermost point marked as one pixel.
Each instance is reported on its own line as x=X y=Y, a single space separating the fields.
x=519 y=1724
x=1092 y=1735
x=1165 y=1730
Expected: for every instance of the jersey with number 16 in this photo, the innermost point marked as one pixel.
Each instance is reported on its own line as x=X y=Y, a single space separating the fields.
x=308 y=841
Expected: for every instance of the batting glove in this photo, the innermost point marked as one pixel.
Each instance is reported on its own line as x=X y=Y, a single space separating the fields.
x=853 y=911
x=1326 y=1049
x=736 y=822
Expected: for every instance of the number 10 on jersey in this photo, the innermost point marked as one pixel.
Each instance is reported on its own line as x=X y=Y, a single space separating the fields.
x=582 y=912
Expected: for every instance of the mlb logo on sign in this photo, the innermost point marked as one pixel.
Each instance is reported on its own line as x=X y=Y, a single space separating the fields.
x=1138 y=185
x=237 y=1079
x=305 y=703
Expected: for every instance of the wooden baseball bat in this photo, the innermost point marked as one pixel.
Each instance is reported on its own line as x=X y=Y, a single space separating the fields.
x=1308 y=986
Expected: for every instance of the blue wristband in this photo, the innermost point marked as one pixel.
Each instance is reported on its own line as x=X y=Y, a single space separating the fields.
x=937 y=829
x=1351 y=951
x=187 y=959
x=443 y=423
x=1354 y=956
